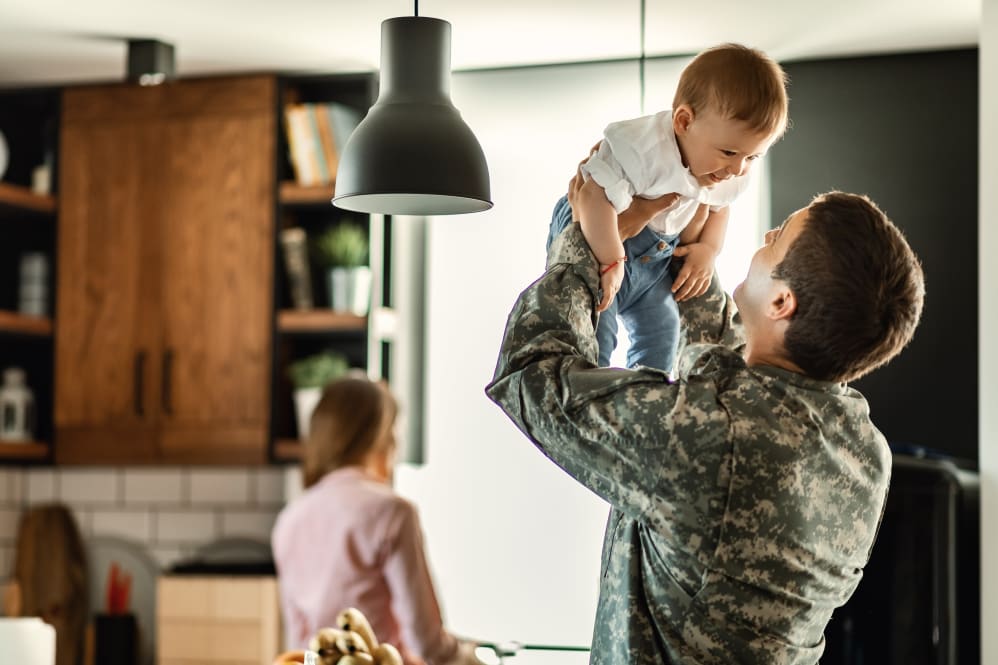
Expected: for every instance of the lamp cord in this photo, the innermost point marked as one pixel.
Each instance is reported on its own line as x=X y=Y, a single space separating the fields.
x=641 y=60
x=416 y=9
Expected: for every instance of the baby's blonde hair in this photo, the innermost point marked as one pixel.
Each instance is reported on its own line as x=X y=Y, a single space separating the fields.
x=739 y=83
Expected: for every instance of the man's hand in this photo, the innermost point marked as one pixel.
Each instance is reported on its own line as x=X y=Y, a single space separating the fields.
x=641 y=211
x=698 y=269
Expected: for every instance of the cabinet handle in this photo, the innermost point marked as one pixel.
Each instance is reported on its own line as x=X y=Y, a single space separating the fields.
x=167 y=369
x=138 y=382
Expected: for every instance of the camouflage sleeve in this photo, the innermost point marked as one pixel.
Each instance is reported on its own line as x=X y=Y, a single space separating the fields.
x=711 y=319
x=634 y=438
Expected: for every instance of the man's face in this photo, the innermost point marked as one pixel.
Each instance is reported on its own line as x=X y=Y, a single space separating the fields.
x=715 y=149
x=754 y=295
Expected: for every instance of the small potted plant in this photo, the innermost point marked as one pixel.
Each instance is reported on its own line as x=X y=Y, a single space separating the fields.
x=309 y=376
x=342 y=250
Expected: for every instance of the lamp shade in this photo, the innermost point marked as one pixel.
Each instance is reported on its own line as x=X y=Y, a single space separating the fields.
x=413 y=154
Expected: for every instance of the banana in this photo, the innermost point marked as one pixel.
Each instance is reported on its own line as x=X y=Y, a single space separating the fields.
x=351 y=643
x=386 y=654
x=353 y=619
x=324 y=643
x=356 y=659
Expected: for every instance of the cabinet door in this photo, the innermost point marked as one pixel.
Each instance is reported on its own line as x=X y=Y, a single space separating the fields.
x=107 y=328
x=216 y=235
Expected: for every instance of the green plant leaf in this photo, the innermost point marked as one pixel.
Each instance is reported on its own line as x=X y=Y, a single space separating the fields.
x=318 y=370
x=344 y=245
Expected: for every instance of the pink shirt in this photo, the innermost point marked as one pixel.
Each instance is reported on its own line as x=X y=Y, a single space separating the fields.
x=351 y=541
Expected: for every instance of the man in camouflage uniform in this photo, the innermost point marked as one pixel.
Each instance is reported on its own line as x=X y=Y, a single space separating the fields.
x=745 y=495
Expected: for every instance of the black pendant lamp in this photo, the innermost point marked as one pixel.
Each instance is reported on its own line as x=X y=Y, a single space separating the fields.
x=413 y=154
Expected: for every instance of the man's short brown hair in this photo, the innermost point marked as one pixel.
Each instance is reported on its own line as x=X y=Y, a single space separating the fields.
x=859 y=289
x=739 y=83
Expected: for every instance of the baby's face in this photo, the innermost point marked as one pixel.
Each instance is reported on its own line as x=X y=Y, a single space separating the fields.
x=715 y=148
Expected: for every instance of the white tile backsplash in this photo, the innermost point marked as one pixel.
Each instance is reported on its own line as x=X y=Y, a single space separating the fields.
x=131 y=524
x=8 y=524
x=222 y=487
x=174 y=511
x=269 y=487
x=10 y=488
x=159 y=487
x=248 y=524
x=89 y=486
x=195 y=526
x=41 y=486
x=16 y=486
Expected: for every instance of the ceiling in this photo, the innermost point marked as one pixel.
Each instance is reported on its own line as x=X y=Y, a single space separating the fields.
x=63 y=41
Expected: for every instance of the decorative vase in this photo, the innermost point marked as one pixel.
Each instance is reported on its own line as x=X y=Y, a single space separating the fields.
x=305 y=402
x=350 y=289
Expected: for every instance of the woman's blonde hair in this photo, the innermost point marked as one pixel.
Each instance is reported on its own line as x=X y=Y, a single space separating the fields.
x=739 y=83
x=51 y=573
x=347 y=424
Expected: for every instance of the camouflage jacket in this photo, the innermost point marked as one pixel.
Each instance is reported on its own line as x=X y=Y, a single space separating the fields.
x=744 y=500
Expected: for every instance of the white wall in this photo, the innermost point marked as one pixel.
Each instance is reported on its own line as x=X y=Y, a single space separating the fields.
x=514 y=542
x=989 y=329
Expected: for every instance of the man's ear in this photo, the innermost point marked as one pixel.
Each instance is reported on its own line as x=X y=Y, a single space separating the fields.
x=682 y=118
x=783 y=305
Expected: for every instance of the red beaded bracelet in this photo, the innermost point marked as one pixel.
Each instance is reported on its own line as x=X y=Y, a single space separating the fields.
x=611 y=265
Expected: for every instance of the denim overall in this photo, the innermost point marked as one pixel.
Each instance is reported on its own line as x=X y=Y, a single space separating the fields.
x=644 y=303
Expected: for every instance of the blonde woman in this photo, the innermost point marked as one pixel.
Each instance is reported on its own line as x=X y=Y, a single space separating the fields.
x=50 y=577
x=350 y=541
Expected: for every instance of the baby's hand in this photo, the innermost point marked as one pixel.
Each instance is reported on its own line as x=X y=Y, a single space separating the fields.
x=611 y=277
x=698 y=269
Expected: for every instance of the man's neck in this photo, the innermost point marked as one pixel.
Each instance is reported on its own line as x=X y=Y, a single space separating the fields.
x=770 y=358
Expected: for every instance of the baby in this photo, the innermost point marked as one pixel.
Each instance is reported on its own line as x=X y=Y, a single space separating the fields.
x=729 y=108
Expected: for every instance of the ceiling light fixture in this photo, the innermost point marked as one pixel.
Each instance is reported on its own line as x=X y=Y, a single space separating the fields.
x=150 y=62
x=413 y=154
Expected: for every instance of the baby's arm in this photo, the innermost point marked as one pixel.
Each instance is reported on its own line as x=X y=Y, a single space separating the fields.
x=599 y=226
x=701 y=242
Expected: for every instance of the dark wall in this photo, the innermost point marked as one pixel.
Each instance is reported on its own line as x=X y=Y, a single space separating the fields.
x=903 y=130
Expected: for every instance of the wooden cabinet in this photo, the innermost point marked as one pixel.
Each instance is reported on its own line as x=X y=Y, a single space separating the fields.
x=163 y=342
x=203 y=620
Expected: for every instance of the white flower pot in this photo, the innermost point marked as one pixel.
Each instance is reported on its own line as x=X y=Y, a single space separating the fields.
x=305 y=401
x=350 y=289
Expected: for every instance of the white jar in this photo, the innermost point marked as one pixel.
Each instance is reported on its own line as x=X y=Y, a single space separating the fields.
x=17 y=407
x=34 y=289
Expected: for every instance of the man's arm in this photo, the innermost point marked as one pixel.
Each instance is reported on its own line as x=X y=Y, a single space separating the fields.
x=711 y=318
x=632 y=437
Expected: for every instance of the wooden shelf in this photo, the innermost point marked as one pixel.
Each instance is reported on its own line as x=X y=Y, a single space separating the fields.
x=29 y=450
x=29 y=325
x=287 y=450
x=23 y=199
x=293 y=193
x=319 y=320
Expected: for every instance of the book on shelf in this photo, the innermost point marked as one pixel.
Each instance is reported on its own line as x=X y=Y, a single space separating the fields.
x=295 y=249
x=343 y=119
x=316 y=135
x=301 y=145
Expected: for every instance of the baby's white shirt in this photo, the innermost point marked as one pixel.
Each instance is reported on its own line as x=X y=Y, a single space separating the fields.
x=640 y=157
